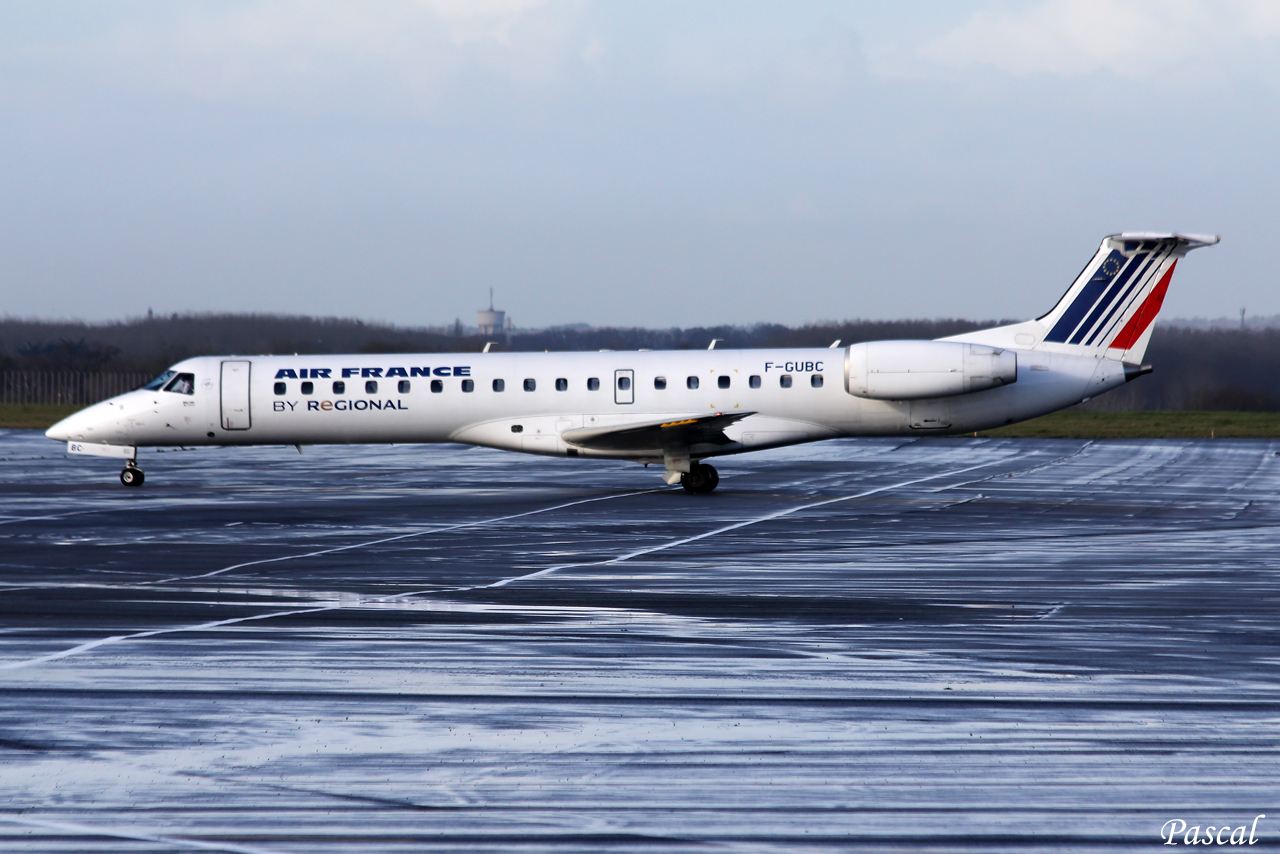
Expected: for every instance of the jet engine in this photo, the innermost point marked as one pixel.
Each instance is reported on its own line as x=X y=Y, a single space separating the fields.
x=911 y=370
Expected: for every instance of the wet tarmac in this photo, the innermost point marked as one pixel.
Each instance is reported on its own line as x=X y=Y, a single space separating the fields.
x=948 y=644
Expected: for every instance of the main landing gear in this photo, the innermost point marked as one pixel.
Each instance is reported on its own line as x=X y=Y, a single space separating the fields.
x=700 y=479
x=132 y=475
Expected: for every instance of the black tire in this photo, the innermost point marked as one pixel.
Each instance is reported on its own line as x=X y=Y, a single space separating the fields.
x=699 y=480
x=132 y=476
x=715 y=476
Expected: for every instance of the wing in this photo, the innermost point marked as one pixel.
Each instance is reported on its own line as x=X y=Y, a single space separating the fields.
x=656 y=435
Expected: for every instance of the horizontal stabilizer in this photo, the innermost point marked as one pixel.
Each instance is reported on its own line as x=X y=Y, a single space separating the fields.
x=655 y=435
x=1187 y=241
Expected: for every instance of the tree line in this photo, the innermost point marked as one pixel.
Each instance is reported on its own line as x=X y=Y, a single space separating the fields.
x=1195 y=368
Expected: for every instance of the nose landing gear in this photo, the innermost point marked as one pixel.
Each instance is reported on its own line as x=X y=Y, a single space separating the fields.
x=132 y=475
x=700 y=479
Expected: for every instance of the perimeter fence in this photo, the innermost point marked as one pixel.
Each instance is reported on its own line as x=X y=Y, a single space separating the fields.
x=71 y=388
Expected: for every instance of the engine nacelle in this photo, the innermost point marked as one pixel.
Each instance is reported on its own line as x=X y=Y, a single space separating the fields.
x=911 y=370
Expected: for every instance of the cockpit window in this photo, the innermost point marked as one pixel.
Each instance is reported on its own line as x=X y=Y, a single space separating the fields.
x=158 y=383
x=182 y=384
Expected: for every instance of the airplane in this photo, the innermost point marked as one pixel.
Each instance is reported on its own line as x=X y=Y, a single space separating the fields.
x=675 y=408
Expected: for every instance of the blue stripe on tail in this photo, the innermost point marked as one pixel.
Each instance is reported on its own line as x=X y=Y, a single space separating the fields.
x=1116 y=287
x=1135 y=282
x=1088 y=296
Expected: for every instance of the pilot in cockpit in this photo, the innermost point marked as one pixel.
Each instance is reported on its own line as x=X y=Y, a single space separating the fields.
x=182 y=384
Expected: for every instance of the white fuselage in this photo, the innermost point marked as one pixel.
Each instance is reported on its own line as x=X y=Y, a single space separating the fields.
x=421 y=398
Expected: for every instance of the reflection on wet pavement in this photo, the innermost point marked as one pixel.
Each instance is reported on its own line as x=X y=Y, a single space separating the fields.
x=949 y=644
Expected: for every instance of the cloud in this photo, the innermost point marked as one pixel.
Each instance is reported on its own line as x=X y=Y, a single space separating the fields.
x=805 y=63
x=318 y=54
x=408 y=56
x=473 y=20
x=1131 y=39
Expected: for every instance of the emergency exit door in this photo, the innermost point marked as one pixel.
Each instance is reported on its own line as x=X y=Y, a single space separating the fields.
x=235 y=395
x=624 y=386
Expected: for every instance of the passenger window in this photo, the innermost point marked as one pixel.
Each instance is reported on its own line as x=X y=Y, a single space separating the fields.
x=308 y=387
x=339 y=387
x=624 y=383
x=593 y=384
x=182 y=384
x=404 y=386
x=816 y=380
x=530 y=385
x=499 y=385
x=754 y=382
x=280 y=388
x=371 y=387
x=722 y=381
x=517 y=428
x=468 y=386
x=437 y=386
x=659 y=383
x=562 y=384
x=785 y=381
x=692 y=382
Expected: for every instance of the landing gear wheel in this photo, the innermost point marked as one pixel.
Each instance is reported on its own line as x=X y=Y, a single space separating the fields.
x=132 y=476
x=715 y=476
x=700 y=479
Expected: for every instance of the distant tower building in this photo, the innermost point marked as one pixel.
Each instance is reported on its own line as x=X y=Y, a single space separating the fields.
x=491 y=322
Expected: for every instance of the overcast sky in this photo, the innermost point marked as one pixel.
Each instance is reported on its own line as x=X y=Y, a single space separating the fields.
x=628 y=163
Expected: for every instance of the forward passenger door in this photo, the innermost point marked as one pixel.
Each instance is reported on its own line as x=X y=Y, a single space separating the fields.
x=235 y=395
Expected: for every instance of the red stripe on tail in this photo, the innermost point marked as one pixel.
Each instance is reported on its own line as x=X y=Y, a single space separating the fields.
x=1145 y=314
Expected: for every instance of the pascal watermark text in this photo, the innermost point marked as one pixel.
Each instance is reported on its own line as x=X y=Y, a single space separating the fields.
x=1175 y=831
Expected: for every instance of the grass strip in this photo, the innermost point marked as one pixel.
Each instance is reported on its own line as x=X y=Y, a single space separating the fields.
x=1071 y=424
x=33 y=416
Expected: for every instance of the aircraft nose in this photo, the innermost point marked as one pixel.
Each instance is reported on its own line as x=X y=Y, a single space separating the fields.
x=71 y=428
x=86 y=425
x=59 y=432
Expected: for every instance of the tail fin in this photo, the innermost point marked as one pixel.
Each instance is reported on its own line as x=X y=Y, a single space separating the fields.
x=1113 y=303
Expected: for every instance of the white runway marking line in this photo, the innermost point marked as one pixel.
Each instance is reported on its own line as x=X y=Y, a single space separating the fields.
x=94 y=644
x=440 y=530
x=137 y=836
x=1031 y=470
x=9 y=520
x=768 y=517
x=91 y=645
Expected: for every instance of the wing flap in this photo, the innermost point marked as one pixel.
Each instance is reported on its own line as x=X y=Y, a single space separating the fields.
x=655 y=435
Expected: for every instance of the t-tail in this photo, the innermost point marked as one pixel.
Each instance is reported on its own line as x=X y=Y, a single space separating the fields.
x=1113 y=304
x=1111 y=307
